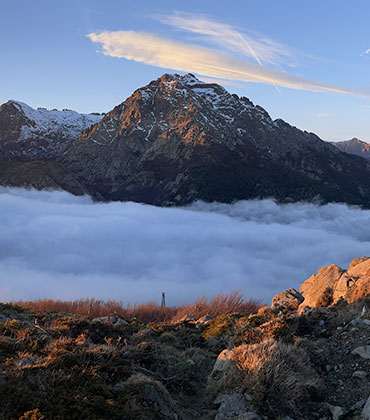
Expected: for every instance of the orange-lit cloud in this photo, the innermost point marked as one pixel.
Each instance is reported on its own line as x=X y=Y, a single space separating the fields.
x=161 y=52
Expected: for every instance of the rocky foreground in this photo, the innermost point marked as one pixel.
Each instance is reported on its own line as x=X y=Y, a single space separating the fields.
x=307 y=356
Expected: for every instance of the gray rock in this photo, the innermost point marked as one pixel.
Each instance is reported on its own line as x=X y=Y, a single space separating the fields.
x=223 y=364
x=188 y=318
x=359 y=374
x=358 y=405
x=121 y=321
x=104 y=320
x=204 y=319
x=213 y=341
x=233 y=407
x=289 y=299
x=154 y=397
x=337 y=412
x=366 y=410
x=363 y=351
x=118 y=386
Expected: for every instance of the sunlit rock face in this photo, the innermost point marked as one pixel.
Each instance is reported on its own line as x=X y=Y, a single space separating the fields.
x=332 y=284
x=178 y=140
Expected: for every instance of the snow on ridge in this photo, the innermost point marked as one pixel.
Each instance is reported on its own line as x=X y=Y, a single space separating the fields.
x=67 y=123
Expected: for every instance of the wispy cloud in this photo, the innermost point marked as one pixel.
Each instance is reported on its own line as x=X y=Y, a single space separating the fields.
x=323 y=115
x=261 y=49
x=366 y=52
x=219 y=81
x=161 y=52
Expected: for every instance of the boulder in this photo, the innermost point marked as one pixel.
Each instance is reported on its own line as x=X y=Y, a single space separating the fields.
x=223 y=364
x=363 y=351
x=188 y=318
x=204 y=320
x=315 y=287
x=361 y=374
x=289 y=299
x=233 y=407
x=366 y=410
x=332 y=283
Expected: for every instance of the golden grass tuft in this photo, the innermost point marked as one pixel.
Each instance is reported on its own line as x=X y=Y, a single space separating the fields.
x=278 y=375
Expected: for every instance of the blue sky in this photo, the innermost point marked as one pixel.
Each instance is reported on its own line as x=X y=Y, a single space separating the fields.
x=303 y=61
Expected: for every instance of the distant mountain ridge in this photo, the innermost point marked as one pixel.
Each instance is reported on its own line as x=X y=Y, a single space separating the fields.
x=177 y=140
x=354 y=146
x=29 y=133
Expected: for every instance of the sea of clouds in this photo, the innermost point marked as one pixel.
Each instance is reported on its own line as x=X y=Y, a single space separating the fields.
x=56 y=245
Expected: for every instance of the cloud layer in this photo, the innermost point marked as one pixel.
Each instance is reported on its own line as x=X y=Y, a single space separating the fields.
x=56 y=245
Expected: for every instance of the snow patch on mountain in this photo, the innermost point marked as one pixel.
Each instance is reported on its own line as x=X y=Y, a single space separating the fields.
x=65 y=123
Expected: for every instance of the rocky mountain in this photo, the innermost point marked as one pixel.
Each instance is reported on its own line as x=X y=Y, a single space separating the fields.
x=30 y=134
x=177 y=140
x=354 y=146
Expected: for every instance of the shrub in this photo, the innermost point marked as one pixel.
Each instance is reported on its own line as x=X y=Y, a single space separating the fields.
x=147 y=312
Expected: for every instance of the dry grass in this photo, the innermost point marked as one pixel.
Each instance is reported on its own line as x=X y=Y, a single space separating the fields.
x=221 y=304
x=278 y=375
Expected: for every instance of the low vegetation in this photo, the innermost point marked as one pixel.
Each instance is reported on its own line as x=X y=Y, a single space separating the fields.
x=221 y=304
x=101 y=360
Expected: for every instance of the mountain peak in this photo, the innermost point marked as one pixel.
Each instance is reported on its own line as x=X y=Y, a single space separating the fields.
x=355 y=146
x=357 y=140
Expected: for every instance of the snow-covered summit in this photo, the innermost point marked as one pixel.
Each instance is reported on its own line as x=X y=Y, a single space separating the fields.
x=30 y=133
x=65 y=123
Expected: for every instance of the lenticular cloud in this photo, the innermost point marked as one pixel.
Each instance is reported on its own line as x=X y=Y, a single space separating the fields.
x=55 y=245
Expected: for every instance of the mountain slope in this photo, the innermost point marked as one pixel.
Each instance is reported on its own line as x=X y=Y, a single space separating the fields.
x=28 y=134
x=354 y=147
x=178 y=139
x=40 y=175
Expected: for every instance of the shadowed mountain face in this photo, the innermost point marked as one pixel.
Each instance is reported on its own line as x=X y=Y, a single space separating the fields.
x=354 y=147
x=178 y=139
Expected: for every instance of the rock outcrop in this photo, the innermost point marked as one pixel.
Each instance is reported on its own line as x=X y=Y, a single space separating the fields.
x=333 y=283
x=289 y=299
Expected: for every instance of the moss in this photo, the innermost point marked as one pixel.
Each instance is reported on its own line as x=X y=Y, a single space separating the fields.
x=219 y=326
